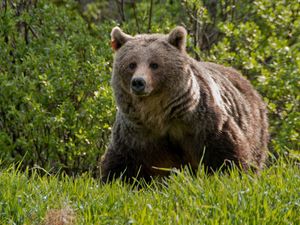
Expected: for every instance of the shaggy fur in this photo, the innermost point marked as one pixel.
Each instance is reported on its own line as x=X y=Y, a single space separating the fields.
x=188 y=112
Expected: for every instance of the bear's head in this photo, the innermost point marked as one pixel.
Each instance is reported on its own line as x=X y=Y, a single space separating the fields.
x=151 y=71
x=144 y=64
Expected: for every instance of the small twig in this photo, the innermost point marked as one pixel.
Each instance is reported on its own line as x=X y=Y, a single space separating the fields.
x=135 y=16
x=26 y=36
x=150 y=16
x=233 y=8
x=4 y=5
x=120 y=5
x=33 y=32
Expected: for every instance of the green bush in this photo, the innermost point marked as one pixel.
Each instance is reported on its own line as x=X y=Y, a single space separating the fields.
x=56 y=106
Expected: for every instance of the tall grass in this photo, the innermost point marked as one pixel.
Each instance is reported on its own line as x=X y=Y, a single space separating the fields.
x=273 y=197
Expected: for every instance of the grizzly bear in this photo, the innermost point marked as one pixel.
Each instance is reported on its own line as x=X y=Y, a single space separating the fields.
x=175 y=111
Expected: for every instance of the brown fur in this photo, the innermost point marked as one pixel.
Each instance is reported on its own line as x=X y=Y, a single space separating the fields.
x=189 y=111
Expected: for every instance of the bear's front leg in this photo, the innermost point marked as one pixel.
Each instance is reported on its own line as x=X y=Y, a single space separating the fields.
x=116 y=165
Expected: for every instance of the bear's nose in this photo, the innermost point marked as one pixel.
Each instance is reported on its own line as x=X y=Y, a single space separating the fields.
x=138 y=85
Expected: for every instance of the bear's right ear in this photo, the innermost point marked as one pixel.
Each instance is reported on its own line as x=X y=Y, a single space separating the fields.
x=118 y=38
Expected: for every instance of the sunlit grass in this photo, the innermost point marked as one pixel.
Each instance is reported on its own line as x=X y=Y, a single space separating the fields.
x=273 y=197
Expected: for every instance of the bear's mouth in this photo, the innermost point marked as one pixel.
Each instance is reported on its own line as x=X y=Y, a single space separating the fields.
x=139 y=93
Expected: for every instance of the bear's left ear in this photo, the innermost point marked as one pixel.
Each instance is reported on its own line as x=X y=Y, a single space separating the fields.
x=177 y=38
x=118 y=38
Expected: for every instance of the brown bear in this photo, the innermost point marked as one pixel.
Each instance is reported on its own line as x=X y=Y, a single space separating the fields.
x=175 y=111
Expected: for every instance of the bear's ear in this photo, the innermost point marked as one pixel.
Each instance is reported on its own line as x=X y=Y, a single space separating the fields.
x=177 y=38
x=118 y=38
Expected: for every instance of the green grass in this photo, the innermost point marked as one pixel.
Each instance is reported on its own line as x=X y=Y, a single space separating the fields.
x=273 y=197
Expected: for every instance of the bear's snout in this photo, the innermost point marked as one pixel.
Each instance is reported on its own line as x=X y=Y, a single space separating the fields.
x=138 y=85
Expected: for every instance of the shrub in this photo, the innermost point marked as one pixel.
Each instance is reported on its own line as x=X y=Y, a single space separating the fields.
x=55 y=104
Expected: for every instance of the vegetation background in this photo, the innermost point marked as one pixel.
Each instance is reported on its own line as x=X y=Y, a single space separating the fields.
x=56 y=105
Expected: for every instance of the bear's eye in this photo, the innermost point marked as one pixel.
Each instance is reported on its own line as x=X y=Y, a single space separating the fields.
x=132 y=66
x=153 y=66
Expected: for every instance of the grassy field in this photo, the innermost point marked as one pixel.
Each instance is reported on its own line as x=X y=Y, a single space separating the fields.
x=273 y=197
